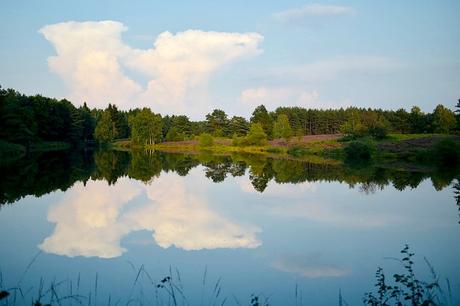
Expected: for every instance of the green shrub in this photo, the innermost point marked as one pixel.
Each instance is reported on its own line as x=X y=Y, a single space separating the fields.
x=206 y=140
x=378 y=132
x=255 y=137
x=360 y=150
x=366 y=124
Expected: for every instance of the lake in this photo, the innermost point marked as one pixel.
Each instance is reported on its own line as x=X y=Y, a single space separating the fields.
x=147 y=228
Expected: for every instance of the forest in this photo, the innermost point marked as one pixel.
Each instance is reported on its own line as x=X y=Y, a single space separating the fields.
x=27 y=121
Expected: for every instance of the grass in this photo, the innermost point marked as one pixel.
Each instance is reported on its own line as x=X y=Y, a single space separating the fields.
x=144 y=289
x=216 y=148
x=405 y=288
x=400 y=137
x=319 y=148
x=394 y=148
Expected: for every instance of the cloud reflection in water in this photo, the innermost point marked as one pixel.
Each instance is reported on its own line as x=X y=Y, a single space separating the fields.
x=91 y=220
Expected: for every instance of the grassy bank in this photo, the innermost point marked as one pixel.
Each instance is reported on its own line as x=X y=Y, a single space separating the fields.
x=404 y=150
x=421 y=151
x=315 y=145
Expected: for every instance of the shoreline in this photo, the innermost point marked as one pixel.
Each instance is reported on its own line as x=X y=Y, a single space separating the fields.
x=411 y=152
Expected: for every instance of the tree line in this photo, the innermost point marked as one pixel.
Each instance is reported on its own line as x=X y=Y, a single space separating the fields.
x=27 y=119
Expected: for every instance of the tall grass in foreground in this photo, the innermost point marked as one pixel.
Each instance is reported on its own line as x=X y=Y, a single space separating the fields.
x=145 y=289
x=406 y=289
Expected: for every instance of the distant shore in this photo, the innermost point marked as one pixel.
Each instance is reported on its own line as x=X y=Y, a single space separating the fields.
x=408 y=150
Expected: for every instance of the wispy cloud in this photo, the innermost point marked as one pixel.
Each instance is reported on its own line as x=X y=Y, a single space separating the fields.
x=333 y=68
x=310 y=267
x=303 y=204
x=308 y=84
x=273 y=96
x=312 y=10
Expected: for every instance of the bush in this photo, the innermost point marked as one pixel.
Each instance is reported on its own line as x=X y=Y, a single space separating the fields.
x=255 y=137
x=206 y=140
x=378 y=132
x=369 y=124
x=359 y=150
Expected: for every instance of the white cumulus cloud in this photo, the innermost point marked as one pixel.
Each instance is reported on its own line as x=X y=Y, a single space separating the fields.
x=184 y=219
x=93 y=61
x=91 y=220
x=88 y=59
x=87 y=220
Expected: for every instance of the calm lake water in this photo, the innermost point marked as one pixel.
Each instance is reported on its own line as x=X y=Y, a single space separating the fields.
x=112 y=225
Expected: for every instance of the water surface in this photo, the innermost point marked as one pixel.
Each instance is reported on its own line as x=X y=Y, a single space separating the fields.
x=115 y=224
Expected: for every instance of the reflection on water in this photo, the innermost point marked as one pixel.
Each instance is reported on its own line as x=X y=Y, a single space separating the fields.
x=262 y=224
x=457 y=196
x=311 y=266
x=42 y=174
x=87 y=220
x=91 y=220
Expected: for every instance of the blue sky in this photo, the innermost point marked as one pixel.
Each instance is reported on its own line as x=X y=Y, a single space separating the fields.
x=321 y=54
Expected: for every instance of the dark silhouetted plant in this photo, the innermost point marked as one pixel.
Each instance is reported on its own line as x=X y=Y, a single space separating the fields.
x=406 y=289
x=256 y=300
x=457 y=195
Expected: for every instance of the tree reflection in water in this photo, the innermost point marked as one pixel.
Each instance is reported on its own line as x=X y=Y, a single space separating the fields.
x=43 y=173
